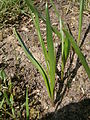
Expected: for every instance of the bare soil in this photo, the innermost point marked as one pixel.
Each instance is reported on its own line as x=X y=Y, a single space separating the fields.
x=72 y=96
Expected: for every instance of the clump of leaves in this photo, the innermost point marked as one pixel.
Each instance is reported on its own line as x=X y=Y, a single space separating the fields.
x=50 y=57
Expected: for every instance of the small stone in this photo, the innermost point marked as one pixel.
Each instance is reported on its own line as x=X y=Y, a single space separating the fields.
x=73 y=79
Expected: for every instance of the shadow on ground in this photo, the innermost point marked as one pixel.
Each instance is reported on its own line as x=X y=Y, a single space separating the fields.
x=72 y=111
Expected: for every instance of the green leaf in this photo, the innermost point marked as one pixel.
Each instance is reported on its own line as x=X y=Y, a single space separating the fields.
x=34 y=9
x=51 y=51
x=80 y=19
x=7 y=99
x=1 y=103
x=31 y=6
x=63 y=56
x=36 y=23
x=78 y=52
x=66 y=48
x=2 y=75
x=36 y=12
x=11 y=99
x=27 y=105
x=12 y=102
x=34 y=61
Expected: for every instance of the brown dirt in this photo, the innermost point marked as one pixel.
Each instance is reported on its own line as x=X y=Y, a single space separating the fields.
x=72 y=98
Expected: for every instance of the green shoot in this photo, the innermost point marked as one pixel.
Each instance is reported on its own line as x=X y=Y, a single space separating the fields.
x=78 y=52
x=2 y=75
x=80 y=20
x=12 y=102
x=49 y=77
x=27 y=105
x=34 y=61
x=69 y=39
x=50 y=57
x=2 y=102
x=63 y=59
x=64 y=40
x=51 y=52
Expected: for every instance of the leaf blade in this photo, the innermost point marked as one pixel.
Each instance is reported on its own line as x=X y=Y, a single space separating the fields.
x=34 y=61
x=27 y=105
x=78 y=52
x=80 y=19
x=51 y=52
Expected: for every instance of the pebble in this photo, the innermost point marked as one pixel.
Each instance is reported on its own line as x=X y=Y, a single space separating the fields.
x=73 y=79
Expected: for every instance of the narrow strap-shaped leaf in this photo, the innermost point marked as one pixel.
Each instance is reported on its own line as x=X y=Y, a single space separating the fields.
x=51 y=52
x=7 y=99
x=27 y=105
x=12 y=102
x=35 y=11
x=41 y=39
x=63 y=55
x=2 y=102
x=78 y=52
x=80 y=19
x=36 y=23
x=34 y=61
x=66 y=48
x=3 y=75
x=54 y=29
x=9 y=103
x=31 y=6
x=62 y=35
